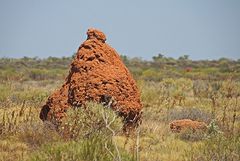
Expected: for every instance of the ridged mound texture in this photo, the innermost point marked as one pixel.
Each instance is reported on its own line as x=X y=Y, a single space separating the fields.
x=96 y=74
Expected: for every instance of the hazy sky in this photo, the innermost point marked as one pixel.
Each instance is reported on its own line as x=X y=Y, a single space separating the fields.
x=203 y=29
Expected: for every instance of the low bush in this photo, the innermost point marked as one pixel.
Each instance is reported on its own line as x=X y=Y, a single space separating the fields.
x=189 y=113
x=95 y=147
x=191 y=135
x=89 y=134
x=216 y=147
x=87 y=121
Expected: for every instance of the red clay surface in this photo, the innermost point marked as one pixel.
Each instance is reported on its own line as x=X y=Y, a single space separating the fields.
x=97 y=74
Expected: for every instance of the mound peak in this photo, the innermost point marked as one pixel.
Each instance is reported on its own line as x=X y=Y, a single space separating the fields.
x=93 y=33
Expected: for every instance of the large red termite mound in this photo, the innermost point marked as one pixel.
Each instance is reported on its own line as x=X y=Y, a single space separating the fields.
x=96 y=74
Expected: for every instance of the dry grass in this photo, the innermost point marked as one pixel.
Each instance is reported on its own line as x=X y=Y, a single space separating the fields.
x=25 y=137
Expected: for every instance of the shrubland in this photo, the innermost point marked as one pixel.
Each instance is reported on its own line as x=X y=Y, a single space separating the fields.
x=171 y=89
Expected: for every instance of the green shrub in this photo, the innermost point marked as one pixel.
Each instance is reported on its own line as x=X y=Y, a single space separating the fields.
x=10 y=74
x=151 y=75
x=35 y=134
x=90 y=133
x=96 y=147
x=191 y=135
x=217 y=147
x=30 y=95
x=5 y=91
x=94 y=118
x=189 y=113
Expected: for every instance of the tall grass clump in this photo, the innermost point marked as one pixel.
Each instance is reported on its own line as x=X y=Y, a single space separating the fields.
x=216 y=147
x=87 y=134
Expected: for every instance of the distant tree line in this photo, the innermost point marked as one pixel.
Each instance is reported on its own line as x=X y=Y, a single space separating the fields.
x=159 y=67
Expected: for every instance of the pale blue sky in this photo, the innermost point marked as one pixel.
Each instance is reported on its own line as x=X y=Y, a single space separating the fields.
x=203 y=29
